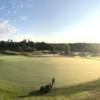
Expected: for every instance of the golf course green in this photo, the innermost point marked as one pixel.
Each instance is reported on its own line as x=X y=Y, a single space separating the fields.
x=20 y=74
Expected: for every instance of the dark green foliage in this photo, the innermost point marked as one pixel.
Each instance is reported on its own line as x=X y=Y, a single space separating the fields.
x=85 y=47
x=43 y=46
x=28 y=46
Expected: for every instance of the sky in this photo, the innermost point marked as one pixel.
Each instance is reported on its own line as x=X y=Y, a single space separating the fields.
x=59 y=21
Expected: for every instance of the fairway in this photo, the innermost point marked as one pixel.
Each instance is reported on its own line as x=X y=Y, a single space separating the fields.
x=36 y=71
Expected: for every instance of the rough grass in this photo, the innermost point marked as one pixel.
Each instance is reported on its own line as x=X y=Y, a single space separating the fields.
x=21 y=75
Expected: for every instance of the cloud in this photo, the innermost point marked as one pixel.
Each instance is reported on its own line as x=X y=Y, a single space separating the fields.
x=20 y=37
x=2 y=7
x=23 y=18
x=28 y=5
x=8 y=12
x=15 y=12
x=21 y=6
x=6 y=28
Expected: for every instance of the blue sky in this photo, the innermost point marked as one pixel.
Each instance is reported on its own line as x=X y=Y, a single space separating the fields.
x=50 y=20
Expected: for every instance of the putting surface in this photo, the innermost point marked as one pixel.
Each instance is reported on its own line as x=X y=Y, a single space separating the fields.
x=36 y=71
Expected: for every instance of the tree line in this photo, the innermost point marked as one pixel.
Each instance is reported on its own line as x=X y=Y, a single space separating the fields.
x=66 y=48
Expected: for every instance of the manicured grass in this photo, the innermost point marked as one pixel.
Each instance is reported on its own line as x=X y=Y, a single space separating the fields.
x=19 y=75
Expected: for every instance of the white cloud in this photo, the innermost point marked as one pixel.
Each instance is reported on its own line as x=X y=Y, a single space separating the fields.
x=15 y=20
x=15 y=12
x=28 y=5
x=8 y=12
x=6 y=28
x=21 y=6
x=2 y=7
x=21 y=37
x=23 y=18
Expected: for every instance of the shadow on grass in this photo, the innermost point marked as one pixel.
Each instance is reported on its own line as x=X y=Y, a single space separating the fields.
x=34 y=93
x=89 y=86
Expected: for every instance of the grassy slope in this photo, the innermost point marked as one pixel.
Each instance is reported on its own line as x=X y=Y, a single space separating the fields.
x=18 y=78
x=84 y=91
